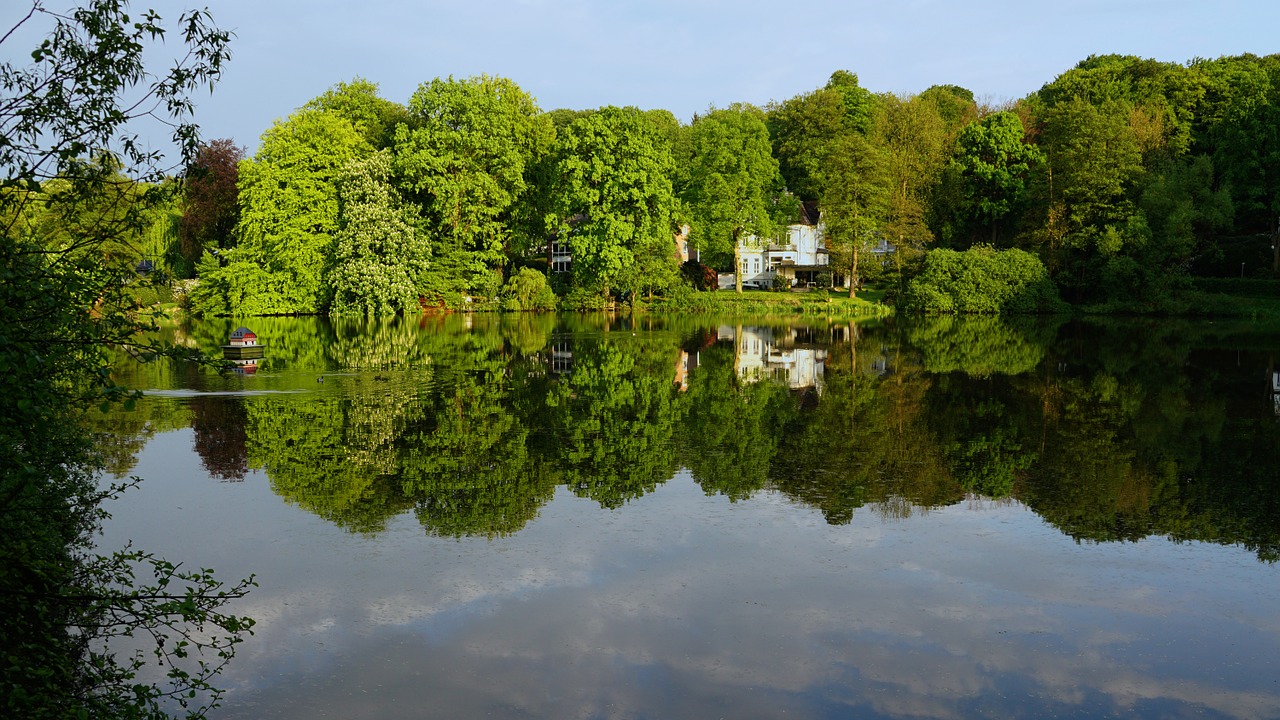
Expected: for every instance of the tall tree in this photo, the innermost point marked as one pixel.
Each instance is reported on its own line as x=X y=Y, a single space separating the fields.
x=613 y=197
x=1242 y=132
x=799 y=128
x=288 y=217
x=463 y=157
x=954 y=104
x=914 y=136
x=358 y=102
x=211 y=210
x=729 y=181
x=993 y=163
x=1093 y=219
x=378 y=252
x=854 y=200
x=803 y=126
x=1163 y=96
x=857 y=102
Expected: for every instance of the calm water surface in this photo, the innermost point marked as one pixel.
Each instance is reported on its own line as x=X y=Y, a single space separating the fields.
x=581 y=517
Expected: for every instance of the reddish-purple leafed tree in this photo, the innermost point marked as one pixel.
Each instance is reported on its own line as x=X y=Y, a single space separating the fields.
x=210 y=211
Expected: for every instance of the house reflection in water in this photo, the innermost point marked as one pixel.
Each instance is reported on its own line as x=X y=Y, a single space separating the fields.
x=1275 y=391
x=792 y=356
x=787 y=355
x=686 y=363
x=561 y=358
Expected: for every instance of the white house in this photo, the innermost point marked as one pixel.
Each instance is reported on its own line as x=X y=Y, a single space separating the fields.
x=800 y=256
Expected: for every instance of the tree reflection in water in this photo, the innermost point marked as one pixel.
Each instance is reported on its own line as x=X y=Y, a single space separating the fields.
x=1111 y=431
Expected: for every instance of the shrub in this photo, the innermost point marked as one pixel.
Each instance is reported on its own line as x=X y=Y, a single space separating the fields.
x=701 y=277
x=982 y=280
x=585 y=298
x=781 y=283
x=528 y=290
x=1243 y=287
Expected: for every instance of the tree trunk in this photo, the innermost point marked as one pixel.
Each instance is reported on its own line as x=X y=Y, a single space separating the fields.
x=737 y=264
x=853 y=272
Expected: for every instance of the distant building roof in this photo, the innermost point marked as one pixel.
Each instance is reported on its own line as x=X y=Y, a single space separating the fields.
x=809 y=212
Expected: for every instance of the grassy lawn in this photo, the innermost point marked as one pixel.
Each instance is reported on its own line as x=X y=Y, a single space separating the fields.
x=764 y=302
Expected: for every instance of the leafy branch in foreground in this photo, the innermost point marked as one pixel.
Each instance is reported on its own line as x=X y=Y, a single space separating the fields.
x=76 y=183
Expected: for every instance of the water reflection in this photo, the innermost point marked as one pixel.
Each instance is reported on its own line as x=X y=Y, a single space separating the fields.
x=1109 y=431
x=579 y=516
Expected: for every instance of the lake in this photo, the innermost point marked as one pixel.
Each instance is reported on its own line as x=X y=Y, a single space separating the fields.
x=588 y=517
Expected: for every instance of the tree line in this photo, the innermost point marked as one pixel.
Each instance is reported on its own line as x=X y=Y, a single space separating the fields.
x=1123 y=177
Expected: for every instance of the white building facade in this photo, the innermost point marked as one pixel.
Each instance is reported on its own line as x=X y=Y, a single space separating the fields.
x=800 y=257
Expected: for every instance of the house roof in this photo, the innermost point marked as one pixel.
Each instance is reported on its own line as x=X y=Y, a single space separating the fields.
x=809 y=212
x=242 y=332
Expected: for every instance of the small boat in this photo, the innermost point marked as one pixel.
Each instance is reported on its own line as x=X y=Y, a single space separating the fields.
x=243 y=345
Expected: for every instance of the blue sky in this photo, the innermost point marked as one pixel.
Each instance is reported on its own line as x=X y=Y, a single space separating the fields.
x=685 y=55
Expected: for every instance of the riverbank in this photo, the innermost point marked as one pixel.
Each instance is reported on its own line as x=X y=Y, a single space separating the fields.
x=1208 y=298
x=830 y=303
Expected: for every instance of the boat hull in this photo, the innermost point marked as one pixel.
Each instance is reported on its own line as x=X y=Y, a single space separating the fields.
x=242 y=352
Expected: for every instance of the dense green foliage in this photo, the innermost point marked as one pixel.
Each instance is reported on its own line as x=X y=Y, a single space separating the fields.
x=528 y=290
x=378 y=253
x=982 y=280
x=993 y=163
x=1123 y=176
x=82 y=204
x=463 y=157
x=211 y=207
x=288 y=219
x=614 y=203
x=729 y=181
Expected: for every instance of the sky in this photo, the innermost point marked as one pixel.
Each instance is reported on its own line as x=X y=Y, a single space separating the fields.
x=688 y=55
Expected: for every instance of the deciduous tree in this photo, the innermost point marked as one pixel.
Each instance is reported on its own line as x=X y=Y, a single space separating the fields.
x=68 y=120
x=729 y=181
x=211 y=209
x=288 y=218
x=854 y=200
x=463 y=157
x=378 y=253
x=993 y=162
x=613 y=196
